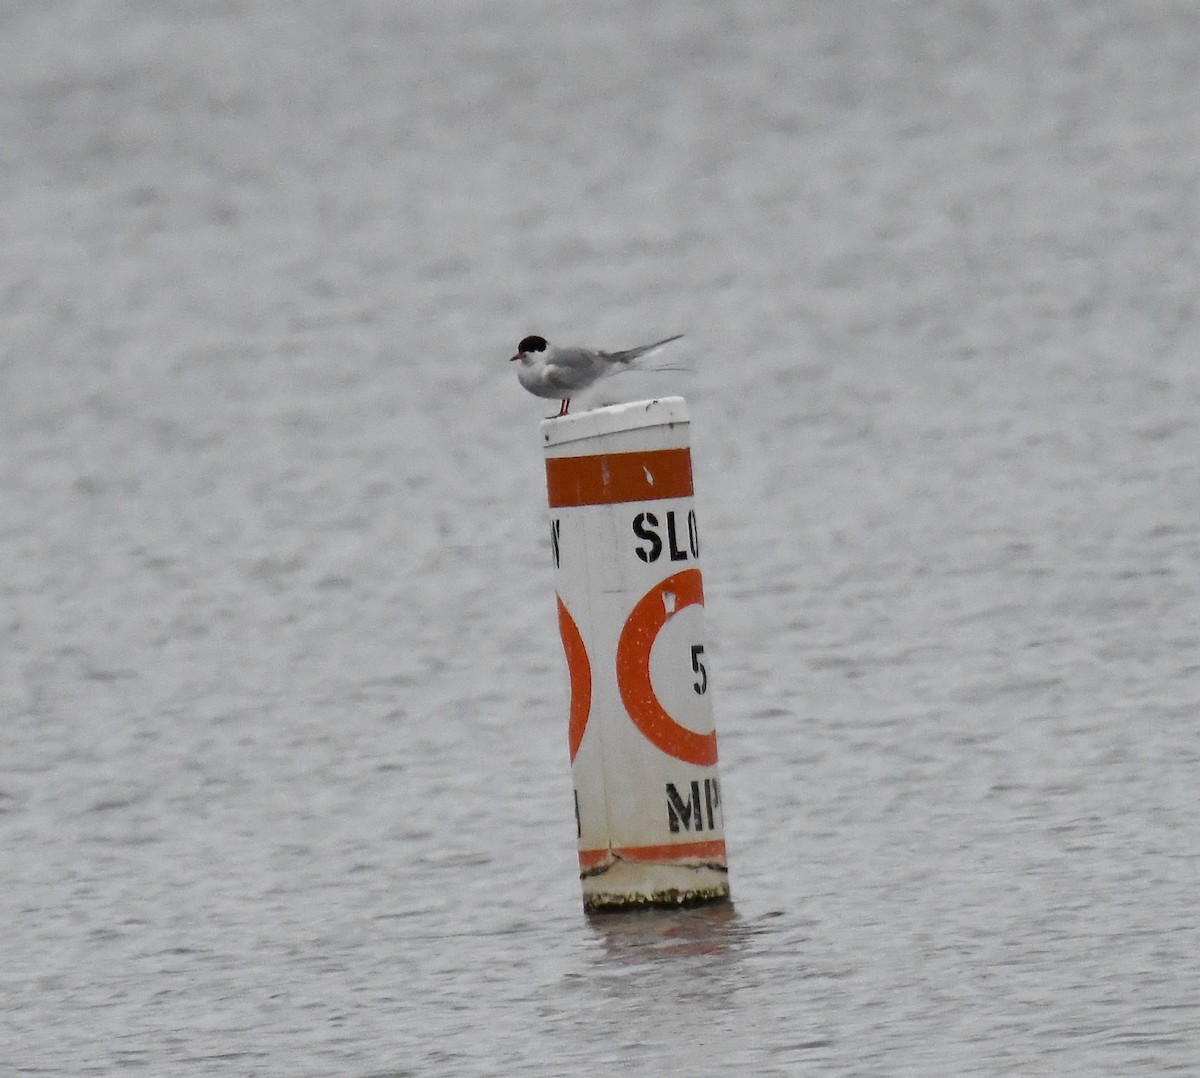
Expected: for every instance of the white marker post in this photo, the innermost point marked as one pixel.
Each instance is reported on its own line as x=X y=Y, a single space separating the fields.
x=630 y=610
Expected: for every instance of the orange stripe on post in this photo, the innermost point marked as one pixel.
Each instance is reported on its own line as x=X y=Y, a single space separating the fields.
x=609 y=478
x=714 y=849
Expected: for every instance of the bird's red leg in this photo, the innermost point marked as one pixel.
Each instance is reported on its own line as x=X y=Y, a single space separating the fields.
x=562 y=408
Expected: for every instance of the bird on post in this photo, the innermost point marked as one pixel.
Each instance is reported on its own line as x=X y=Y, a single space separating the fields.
x=560 y=372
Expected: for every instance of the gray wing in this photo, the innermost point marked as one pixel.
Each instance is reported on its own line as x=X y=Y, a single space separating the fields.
x=572 y=368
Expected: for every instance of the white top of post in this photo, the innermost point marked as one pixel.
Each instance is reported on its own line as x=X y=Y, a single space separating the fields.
x=614 y=419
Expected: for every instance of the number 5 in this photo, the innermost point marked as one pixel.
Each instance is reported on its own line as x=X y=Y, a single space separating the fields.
x=700 y=686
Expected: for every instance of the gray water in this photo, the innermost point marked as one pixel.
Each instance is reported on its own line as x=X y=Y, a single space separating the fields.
x=283 y=770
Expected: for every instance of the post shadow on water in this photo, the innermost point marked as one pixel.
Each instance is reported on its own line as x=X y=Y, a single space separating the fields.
x=713 y=930
x=659 y=968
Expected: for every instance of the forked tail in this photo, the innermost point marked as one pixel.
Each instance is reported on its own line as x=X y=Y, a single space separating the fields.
x=630 y=354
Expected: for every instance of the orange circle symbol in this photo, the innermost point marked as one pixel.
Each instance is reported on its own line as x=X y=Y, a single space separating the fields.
x=640 y=631
x=580 y=672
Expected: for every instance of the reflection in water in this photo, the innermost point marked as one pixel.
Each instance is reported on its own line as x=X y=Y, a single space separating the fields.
x=646 y=935
x=669 y=984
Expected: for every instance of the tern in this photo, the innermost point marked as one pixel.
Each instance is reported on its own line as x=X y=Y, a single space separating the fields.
x=560 y=372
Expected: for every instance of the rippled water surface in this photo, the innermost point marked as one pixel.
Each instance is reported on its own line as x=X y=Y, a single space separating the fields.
x=283 y=772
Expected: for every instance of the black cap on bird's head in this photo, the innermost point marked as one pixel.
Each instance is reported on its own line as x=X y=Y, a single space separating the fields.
x=530 y=344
